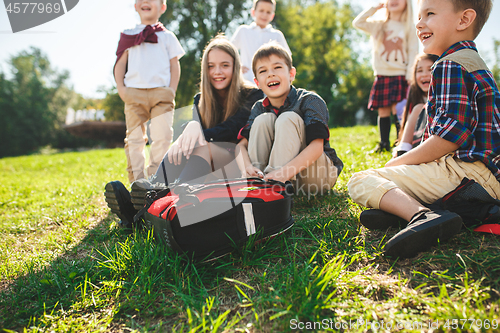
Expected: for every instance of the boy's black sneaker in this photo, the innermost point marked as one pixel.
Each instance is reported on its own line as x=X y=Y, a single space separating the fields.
x=120 y=203
x=423 y=231
x=376 y=219
x=381 y=147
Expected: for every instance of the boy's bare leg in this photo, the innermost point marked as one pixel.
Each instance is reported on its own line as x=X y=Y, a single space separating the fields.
x=399 y=203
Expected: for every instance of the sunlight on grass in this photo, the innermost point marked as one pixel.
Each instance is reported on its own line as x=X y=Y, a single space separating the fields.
x=65 y=265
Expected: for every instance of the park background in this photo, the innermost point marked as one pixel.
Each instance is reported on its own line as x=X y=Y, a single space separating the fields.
x=65 y=265
x=68 y=62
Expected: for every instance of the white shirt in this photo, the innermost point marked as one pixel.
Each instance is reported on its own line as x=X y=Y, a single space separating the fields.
x=149 y=63
x=248 y=39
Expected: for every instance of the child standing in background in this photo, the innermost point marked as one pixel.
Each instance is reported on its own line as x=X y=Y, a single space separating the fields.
x=414 y=116
x=248 y=38
x=395 y=46
x=147 y=73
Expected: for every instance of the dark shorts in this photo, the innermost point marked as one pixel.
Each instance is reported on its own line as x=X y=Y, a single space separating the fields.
x=387 y=90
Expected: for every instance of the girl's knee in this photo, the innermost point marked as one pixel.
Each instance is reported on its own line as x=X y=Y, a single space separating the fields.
x=203 y=152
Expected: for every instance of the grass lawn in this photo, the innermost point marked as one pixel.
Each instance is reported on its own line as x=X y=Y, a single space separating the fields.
x=65 y=266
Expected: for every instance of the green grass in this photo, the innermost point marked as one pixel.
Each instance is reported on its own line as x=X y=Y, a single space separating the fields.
x=66 y=267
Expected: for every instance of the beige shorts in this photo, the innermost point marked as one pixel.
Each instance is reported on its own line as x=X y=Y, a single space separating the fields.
x=425 y=182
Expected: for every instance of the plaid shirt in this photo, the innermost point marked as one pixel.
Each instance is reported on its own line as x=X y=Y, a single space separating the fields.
x=463 y=108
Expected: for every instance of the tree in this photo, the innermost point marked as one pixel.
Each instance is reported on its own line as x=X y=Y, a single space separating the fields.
x=33 y=104
x=323 y=43
x=113 y=105
x=496 y=67
x=327 y=50
x=195 y=23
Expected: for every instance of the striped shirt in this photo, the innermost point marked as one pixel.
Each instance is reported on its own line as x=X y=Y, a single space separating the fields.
x=463 y=106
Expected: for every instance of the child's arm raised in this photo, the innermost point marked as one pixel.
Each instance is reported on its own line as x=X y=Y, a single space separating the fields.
x=175 y=73
x=120 y=70
x=431 y=149
x=302 y=161
x=361 y=21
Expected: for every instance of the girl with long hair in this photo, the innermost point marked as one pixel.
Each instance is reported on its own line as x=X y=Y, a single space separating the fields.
x=207 y=143
x=414 y=116
x=220 y=110
x=395 y=46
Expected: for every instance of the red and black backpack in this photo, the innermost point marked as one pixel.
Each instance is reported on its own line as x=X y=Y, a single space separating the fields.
x=207 y=220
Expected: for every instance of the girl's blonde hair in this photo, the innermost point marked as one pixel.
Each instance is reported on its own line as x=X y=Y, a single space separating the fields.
x=209 y=105
x=407 y=17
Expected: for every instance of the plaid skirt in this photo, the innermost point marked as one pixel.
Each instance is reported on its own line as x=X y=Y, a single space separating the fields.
x=387 y=90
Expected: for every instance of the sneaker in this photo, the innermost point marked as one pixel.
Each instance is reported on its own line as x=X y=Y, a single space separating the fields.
x=119 y=201
x=381 y=147
x=139 y=190
x=423 y=231
x=376 y=219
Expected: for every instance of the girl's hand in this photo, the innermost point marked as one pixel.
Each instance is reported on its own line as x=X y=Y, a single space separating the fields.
x=174 y=153
x=185 y=143
x=380 y=5
x=190 y=137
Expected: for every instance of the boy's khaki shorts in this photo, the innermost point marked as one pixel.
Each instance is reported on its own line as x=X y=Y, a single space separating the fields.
x=425 y=182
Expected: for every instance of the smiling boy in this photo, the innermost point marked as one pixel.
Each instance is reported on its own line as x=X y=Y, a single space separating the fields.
x=462 y=137
x=248 y=38
x=287 y=135
x=147 y=73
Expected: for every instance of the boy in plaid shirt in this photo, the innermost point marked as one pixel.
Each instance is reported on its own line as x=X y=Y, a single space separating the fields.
x=462 y=137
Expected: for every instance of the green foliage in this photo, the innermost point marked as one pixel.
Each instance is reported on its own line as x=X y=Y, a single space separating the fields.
x=33 y=105
x=319 y=33
x=323 y=43
x=195 y=23
x=66 y=267
x=496 y=68
x=113 y=106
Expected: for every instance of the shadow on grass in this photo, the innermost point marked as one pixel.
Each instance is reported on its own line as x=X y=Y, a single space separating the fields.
x=325 y=266
x=54 y=287
x=113 y=278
